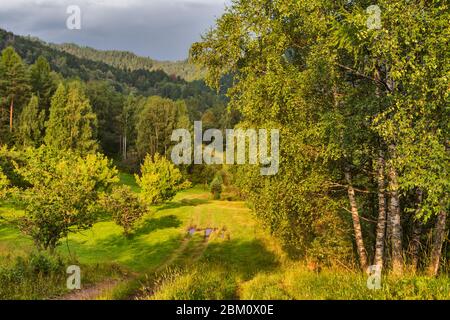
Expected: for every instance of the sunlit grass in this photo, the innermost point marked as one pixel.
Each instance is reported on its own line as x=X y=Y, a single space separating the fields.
x=160 y=260
x=129 y=180
x=295 y=281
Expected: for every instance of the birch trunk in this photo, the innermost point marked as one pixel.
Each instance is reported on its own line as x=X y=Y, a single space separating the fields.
x=439 y=236
x=396 y=236
x=356 y=223
x=381 y=224
x=414 y=246
x=387 y=242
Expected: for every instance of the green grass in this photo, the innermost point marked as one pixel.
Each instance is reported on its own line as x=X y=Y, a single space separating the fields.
x=12 y=243
x=160 y=239
x=160 y=260
x=129 y=180
x=294 y=281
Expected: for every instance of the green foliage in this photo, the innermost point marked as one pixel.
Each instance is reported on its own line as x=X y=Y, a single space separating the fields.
x=32 y=277
x=412 y=92
x=9 y=159
x=40 y=275
x=216 y=187
x=13 y=75
x=63 y=193
x=160 y=180
x=42 y=82
x=125 y=77
x=31 y=124
x=14 y=90
x=72 y=124
x=124 y=206
x=156 y=122
x=43 y=263
x=202 y=173
x=298 y=205
x=340 y=93
x=107 y=88
x=4 y=184
x=107 y=105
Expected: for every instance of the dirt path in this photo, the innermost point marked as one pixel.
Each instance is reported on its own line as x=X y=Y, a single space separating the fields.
x=98 y=290
x=175 y=255
x=92 y=292
x=195 y=255
x=102 y=288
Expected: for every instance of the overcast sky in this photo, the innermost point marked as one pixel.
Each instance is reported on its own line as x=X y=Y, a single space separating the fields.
x=160 y=29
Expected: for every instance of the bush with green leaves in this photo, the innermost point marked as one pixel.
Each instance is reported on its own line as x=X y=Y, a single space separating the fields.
x=64 y=192
x=4 y=183
x=9 y=159
x=160 y=180
x=124 y=206
x=216 y=187
x=35 y=276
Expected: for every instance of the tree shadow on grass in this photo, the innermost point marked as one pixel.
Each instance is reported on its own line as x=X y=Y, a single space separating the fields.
x=244 y=257
x=149 y=225
x=139 y=251
x=135 y=252
x=182 y=203
x=219 y=273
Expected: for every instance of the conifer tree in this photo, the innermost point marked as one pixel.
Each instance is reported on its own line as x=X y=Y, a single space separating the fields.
x=14 y=82
x=31 y=124
x=72 y=124
x=42 y=83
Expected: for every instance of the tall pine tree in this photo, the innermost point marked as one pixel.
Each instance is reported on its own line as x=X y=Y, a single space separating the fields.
x=31 y=124
x=42 y=82
x=72 y=124
x=14 y=83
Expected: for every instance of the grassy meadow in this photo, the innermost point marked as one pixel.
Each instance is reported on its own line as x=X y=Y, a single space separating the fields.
x=298 y=150
x=169 y=257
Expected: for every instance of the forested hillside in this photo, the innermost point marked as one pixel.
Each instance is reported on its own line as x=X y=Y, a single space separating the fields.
x=126 y=60
x=144 y=81
x=116 y=96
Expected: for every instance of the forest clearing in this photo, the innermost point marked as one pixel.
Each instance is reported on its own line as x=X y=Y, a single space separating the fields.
x=162 y=260
x=299 y=150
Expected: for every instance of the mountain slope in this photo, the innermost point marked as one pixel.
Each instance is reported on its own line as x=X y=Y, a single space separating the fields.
x=145 y=82
x=126 y=60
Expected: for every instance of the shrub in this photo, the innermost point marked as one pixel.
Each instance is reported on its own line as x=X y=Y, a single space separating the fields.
x=41 y=275
x=124 y=206
x=36 y=276
x=160 y=180
x=42 y=263
x=216 y=187
x=63 y=194
x=4 y=183
x=9 y=159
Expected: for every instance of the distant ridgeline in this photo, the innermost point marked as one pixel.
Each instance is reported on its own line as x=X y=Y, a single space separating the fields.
x=125 y=70
x=126 y=60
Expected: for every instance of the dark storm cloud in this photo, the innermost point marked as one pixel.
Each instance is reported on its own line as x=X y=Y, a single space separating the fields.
x=161 y=29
